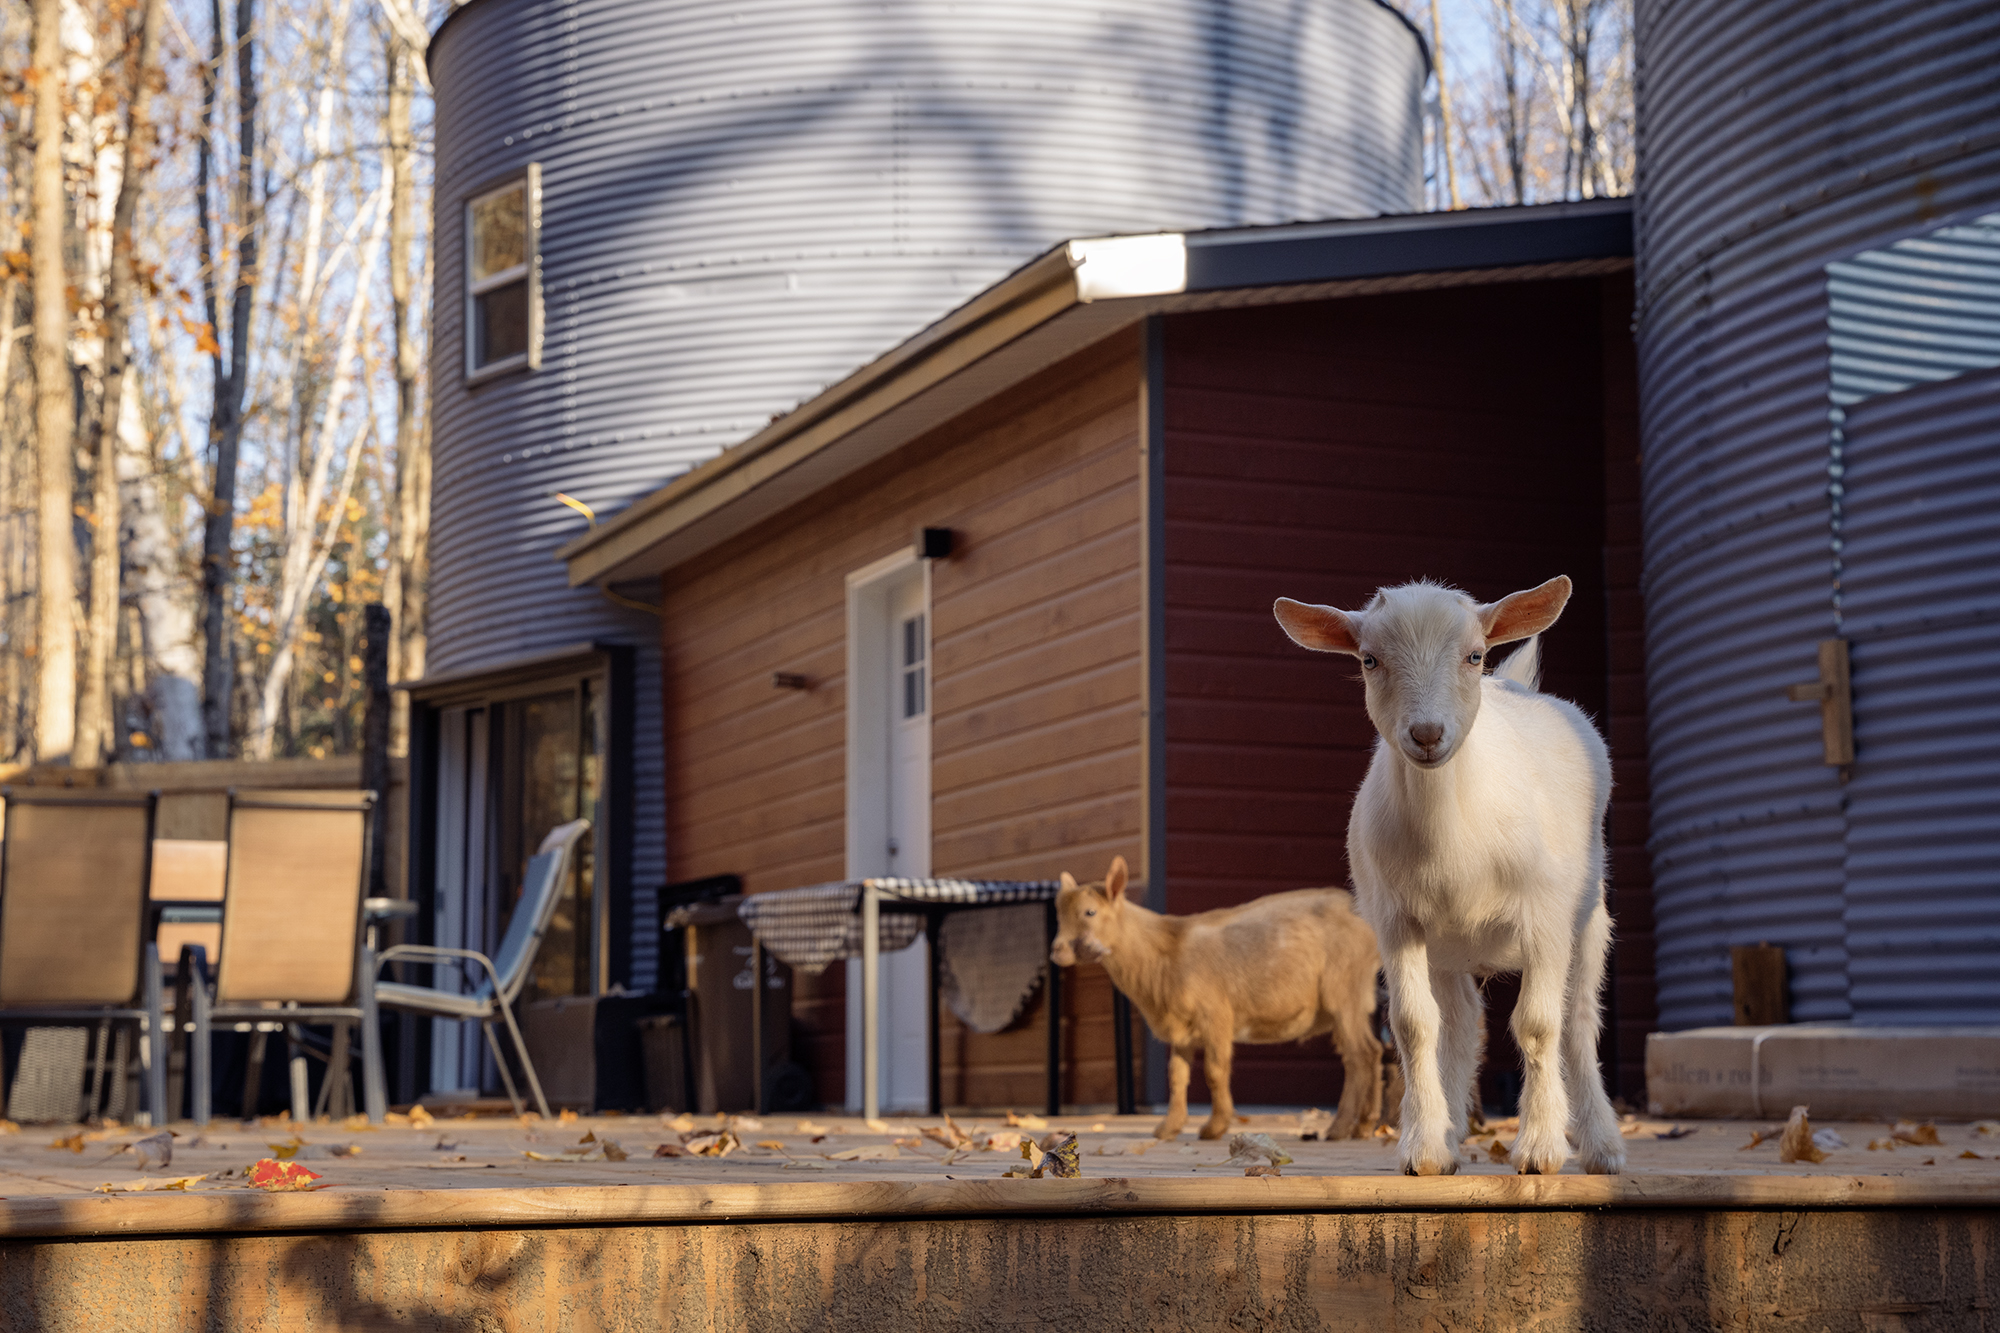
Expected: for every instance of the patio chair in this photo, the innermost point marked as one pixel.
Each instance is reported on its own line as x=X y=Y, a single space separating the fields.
x=292 y=945
x=73 y=873
x=507 y=972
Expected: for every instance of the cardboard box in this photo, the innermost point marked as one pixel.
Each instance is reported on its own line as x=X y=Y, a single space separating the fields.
x=1839 y=1070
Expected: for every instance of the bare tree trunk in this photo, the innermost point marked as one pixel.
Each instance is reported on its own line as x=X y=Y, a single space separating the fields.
x=403 y=590
x=55 y=402
x=167 y=636
x=1444 y=108
x=95 y=733
x=1514 y=113
x=226 y=421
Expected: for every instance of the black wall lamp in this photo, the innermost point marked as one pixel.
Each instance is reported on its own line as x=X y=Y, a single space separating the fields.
x=934 y=543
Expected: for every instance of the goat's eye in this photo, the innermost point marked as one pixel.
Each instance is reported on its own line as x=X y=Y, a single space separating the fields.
x=1475 y=658
x=1368 y=661
x=1090 y=911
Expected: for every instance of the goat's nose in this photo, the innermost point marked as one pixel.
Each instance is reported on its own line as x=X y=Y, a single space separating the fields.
x=1426 y=734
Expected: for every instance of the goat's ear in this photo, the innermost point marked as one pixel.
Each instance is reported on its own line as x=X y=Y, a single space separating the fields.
x=1114 y=879
x=1523 y=615
x=1320 y=628
x=1068 y=882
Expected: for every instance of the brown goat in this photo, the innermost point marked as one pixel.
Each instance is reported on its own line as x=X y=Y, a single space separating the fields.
x=1280 y=968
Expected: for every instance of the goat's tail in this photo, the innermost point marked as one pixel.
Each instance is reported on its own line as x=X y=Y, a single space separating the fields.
x=1524 y=665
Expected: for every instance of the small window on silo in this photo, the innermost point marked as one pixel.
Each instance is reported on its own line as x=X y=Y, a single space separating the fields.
x=503 y=303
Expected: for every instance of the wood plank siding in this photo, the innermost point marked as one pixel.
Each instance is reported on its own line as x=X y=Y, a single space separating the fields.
x=1322 y=450
x=1035 y=704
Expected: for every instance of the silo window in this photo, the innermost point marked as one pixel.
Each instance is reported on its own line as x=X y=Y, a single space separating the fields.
x=502 y=307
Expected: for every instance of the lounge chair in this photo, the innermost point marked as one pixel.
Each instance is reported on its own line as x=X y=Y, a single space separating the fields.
x=292 y=945
x=73 y=873
x=506 y=973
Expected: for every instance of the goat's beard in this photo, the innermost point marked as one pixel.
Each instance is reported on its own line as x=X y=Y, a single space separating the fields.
x=1096 y=950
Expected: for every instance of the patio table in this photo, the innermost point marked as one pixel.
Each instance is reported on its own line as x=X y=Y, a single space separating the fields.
x=823 y=923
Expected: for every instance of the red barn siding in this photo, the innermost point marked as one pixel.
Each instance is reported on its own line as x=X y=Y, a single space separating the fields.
x=1320 y=451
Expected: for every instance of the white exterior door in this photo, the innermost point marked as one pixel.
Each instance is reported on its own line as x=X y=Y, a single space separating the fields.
x=889 y=807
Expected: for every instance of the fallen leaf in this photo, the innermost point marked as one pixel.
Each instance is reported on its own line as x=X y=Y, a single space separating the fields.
x=867 y=1152
x=1315 y=1124
x=1497 y=1151
x=74 y=1143
x=877 y=1126
x=671 y=1150
x=1389 y=1132
x=1829 y=1140
x=1123 y=1147
x=809 y=1127
x=1758 y=1136
x=1026 y=1121
x=310 y=1152
x=280 y=1177
x=682 y=1122
x=913 y=1143
x=613 y=1150
x=284 y=1152
x=1099 y=1127
x=744 y=1123
x=589 y=1136
x=948 y=1134
x=1882 y=1145
x=1986 y=1127
x=592 y=1154
x=565 y=1117
x=1796 y=1143
x=775 y=1145
x=1060 y=1160
x=1032 y=1154
x=716 y=1143
x=356 y=1124
x=1246 y=1148
x=9 y=1127
x=1002 y=1140
x=395 y=1118
x=528 y=1119
x=419 y=1117
x=955 y=1154
x=1930 y=1161
x=1677 y=1132
x=1909 y=1132
x=1973 y=1155
x=155 y=1183
x=1264 y=1170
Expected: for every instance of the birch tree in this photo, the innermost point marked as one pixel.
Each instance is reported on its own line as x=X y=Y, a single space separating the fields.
x=55 y=712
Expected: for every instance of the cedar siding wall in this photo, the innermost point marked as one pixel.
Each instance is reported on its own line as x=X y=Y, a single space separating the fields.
x=1035 y=719
x=1319 y=451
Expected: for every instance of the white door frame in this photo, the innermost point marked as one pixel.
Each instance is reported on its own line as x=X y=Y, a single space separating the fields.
x=869 y=671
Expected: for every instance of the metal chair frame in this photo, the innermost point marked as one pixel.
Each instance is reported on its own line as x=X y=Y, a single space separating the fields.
x=149 y=1014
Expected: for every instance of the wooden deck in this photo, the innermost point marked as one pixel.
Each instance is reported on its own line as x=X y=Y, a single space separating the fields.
x=451 y=1226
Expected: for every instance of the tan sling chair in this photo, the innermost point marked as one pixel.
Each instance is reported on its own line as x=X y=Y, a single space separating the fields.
x=292 y=944
x=73 y=875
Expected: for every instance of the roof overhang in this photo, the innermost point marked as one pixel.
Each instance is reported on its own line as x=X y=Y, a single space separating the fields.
x=1069 y=299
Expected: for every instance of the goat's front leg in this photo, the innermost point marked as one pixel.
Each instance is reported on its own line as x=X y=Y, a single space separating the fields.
x=1598 y=1142
x=1424 y=1149
x=1542 y=1146
x=1459 y=1007
x=1216 y=1052
x=1178 y=1068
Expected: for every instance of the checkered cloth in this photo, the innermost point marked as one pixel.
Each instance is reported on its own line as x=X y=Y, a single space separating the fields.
x=821 y=923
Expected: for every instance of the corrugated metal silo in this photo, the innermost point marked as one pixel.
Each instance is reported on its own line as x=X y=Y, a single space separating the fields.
x=1778 y=142
x=741 y=202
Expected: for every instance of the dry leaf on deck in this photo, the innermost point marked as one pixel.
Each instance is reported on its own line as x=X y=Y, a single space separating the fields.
x=948 y=1134
x=1264 y=1170
x=1123 y=1147
x=877 y=1126
x=1677 y=1132
x=681 y=1123
x=1881 y=1145
x=593 y=1153
x=1247 y=1148
x=1026 y=1121
x=1032 y=1154
x=280 y=1177
x=1973 y=1155
x=565 y=1117
x=1315 y=1123
x=671 y=1150
x=913 y=1143
x=74 y=1143
x=809 y=1127
x=1829 y=1140
x=1002 y=1140
x=9 y=1127
x=1497 y=1151
x=718 y=1143
x=1796 y=1143
x=613 y=1150
x=1909 y=1132
x=309 y=1152
x=155 y=1151
x=743 y=1124
x=1987 y=1127
x=1758 y=1136
x=775 y=1145
x=867 y=1152
x=156 y=1183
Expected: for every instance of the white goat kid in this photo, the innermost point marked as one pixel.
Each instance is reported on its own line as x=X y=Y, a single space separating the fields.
x=1477 y=847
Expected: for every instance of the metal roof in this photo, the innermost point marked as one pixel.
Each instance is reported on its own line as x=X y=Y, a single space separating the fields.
x=1069 y=298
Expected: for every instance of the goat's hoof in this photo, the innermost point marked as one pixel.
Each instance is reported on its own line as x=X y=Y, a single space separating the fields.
x=1604 y=1163
x=1448 y=1167
x=1214 y=1130
x=1167 y=1133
